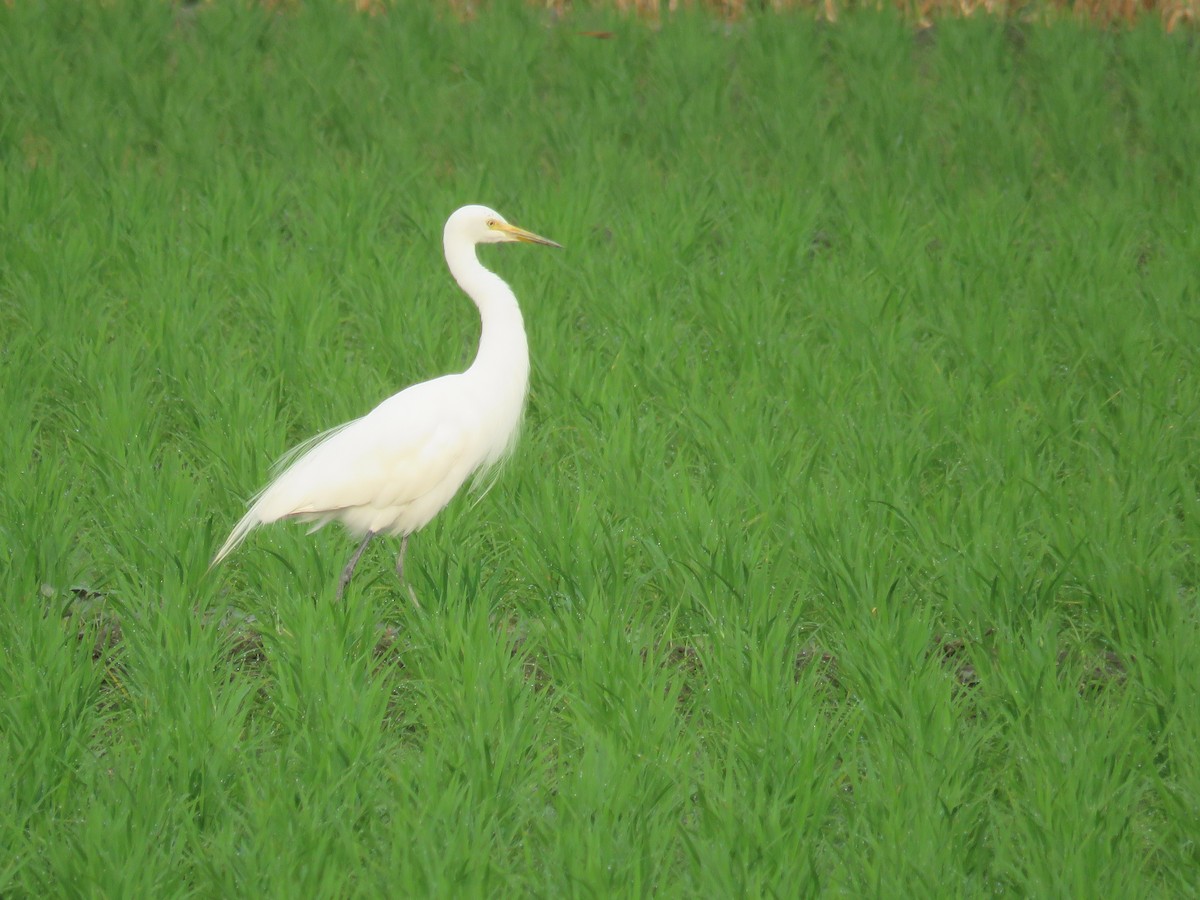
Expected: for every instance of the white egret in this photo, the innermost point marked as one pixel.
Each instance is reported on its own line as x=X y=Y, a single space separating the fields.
x=393 y=470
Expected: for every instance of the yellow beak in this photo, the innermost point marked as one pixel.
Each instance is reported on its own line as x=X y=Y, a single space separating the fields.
x=520 y=234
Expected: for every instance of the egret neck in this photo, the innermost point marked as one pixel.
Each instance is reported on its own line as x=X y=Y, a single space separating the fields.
x=502 y=362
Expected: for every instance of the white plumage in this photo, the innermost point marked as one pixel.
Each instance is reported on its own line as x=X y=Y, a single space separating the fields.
x=391 y=471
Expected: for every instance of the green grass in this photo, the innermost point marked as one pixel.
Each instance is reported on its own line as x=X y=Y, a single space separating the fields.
x=851 y=546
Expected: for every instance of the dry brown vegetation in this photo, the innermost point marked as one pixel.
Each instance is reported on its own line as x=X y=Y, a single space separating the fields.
x=1106 y=13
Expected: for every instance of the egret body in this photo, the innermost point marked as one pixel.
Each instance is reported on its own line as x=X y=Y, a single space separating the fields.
x=393 y=470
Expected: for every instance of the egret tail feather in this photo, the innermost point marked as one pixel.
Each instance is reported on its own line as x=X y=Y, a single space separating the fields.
x=253 y=517
x=248 y=523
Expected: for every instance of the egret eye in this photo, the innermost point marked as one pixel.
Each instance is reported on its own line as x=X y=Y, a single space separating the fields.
x=491 y=223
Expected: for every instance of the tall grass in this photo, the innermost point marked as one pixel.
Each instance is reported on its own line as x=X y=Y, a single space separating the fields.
x=851 y=545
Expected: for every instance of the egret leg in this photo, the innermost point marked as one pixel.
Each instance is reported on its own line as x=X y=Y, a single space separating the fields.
x=349 y=570
x=412 y=595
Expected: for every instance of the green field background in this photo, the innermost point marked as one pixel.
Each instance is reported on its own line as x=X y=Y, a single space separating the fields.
x=851 y=544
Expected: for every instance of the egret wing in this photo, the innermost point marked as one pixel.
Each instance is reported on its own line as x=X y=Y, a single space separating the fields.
x=392 y=456
x=408 y=445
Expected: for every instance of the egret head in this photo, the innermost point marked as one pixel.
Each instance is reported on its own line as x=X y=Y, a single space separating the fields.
x=480 y=225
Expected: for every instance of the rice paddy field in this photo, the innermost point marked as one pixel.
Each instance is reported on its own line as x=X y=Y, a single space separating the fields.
x=851 y=545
